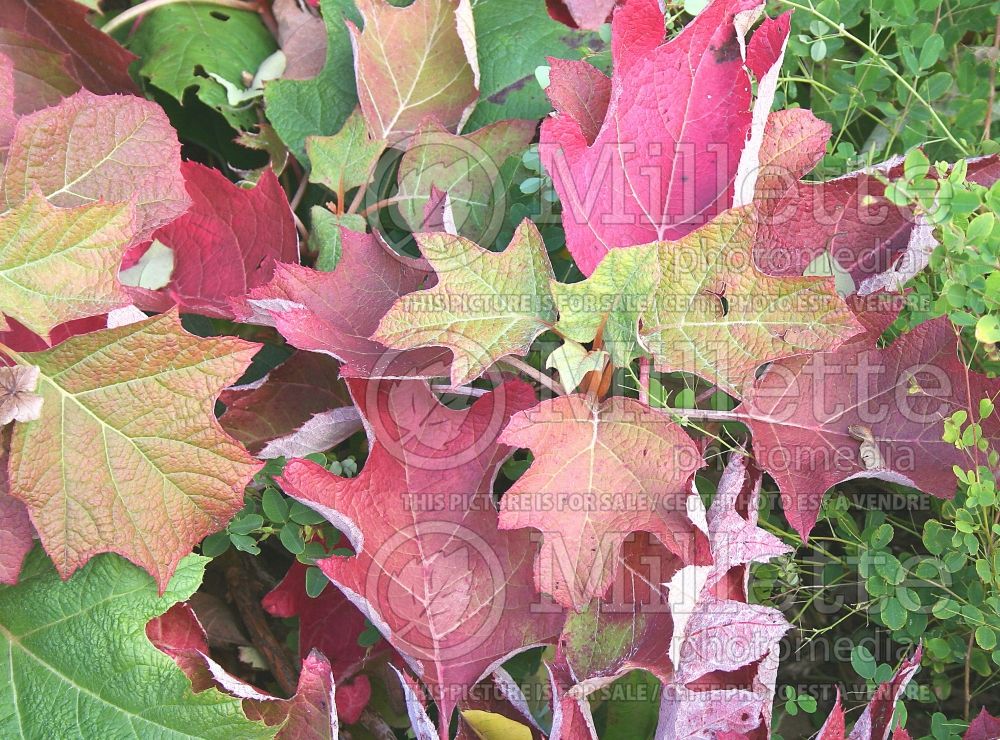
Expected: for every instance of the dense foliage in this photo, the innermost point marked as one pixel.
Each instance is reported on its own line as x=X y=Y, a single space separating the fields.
x=499 y=369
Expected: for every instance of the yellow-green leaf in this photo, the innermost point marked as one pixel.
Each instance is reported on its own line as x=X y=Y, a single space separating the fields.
x=700 y=305
x=59 y=264
x=485 y=305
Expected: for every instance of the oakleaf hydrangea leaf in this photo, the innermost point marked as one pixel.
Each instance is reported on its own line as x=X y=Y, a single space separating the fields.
x=700 y=305
x=415 y=63
x=431 y=571
x=59 y=264
x=317 y=106
x=76 y=660
x=87 y=148
x=225 y=245
x=127 y=456
x=600 y=472
x=485 y=305
x=177 y=42
x=17 y=536
x=676 y=130
x=573 y=361
x=467 y=168
x=507 y=85
x=346 y=159
x=94 y=59
x=899 y=396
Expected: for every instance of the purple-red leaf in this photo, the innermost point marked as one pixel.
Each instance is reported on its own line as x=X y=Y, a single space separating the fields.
x=95 y=60
x=810 y=417
x=432 y=573
x=336 y=312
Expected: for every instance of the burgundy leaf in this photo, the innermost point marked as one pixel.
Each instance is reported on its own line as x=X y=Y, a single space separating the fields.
x=330 y=624
x=95 y=60
x=276 y=406
x=806 y=426
x=336 y=312
x=984 y=727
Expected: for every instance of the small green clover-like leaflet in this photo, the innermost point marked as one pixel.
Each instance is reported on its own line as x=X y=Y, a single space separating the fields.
x=127 y=456
x=76 y=661
x=700 y=305
x=485 y=306
x=59 y=264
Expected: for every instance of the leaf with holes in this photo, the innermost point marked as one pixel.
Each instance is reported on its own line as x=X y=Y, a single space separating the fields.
x=701 y=306
x=226 y=244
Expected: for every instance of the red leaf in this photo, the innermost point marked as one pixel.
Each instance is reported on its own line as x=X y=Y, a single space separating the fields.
x=305 y=385
x=802 y=421
x=432 y=573
x=875 y=722
x=21 y=339
x=589 y=14
x=224 y=246
x=95 y=59
x=336 y=312
x=600 y=472
x=666 y=156
x=984 y=727
x=329 y=622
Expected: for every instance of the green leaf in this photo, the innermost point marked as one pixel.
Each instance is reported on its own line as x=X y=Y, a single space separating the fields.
x=291 y=538
x=863 y=661
x=988 y=329
x=931 y=50
x=467 y=168
x=986 y=638
x=346 y=159
x=881 y=537
x=325 y=238
x=316 y=581
x=513 y=37
x=78 y=663
x=319 y=106
x=573 y=361
x=176 y=42
x=485 y=305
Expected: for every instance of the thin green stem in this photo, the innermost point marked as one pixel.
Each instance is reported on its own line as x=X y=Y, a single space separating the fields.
x=884 y=64
x=144 y=7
